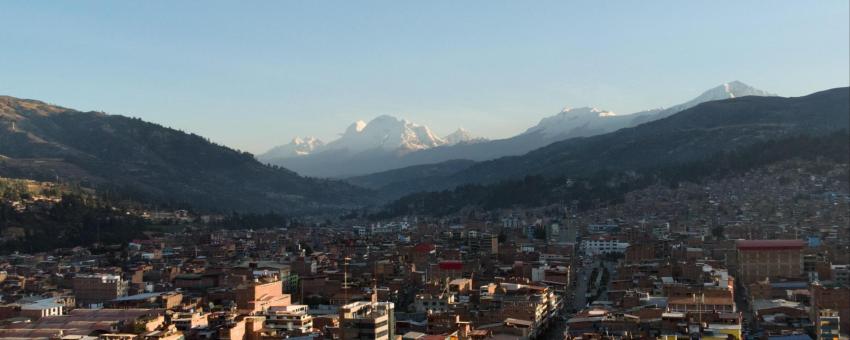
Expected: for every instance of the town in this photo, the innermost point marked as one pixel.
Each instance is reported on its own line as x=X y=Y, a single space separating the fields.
x=765 y=255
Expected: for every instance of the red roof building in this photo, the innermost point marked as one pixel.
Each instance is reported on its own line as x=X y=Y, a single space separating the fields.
x=769 y=259
x=770 y=244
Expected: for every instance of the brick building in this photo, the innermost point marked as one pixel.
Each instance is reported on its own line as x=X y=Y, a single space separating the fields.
x=98 y=288
x=760 y=259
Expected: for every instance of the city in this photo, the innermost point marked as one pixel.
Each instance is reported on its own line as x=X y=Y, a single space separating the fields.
x=264 y=170
x=716 y=260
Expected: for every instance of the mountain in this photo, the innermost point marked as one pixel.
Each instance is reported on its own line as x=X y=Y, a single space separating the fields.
x=392 y=184
x=729 y=90
x=462 y=135
x=822 y=154
x=386 y=133
x=690 y=135
x=364 y=148
x=569 y=123
x=587 y=121
x=578 y=122
x=297 y=147
x=358 y=153
x=129 y=157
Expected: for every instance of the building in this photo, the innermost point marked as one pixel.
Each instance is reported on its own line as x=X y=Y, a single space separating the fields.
x=760 y=259
x=98 y=288
x=186 y=321
x=603 y=245
x=832 y=298
x=164 y=300
x=828 y=325
x=42 y=308
x=84 y=322
x=841 y=274
x=367 y=320
x=292 y=319
x=261 y=295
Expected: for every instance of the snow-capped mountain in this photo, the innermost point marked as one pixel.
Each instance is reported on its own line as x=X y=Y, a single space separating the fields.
x=728 y=90
x=587 y=121
x=462 y=135
x=387 y=143
x=732 y=89
x=577 y=122
x=386 y=133
x=362 y=148
x=299 y=146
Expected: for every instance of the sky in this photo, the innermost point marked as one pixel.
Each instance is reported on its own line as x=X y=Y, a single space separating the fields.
x=252 y=75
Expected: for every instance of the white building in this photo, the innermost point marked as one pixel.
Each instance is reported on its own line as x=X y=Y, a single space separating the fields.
x=603 y=245
x=41 y=308
x=292 y=318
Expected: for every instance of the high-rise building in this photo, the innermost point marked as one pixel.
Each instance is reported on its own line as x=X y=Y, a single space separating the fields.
x=760 y=259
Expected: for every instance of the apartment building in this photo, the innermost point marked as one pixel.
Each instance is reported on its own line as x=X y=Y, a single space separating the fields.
x=98 y=288
x=760 y=259
x=367 y=320
x=292 y=319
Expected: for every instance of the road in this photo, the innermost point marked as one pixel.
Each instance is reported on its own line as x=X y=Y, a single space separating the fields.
x=612 y=275
x=580 y=300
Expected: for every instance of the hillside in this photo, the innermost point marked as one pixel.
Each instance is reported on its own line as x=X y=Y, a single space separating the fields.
x=149 y=162
x=607 y=187
x=690 y=135
x=392 y=184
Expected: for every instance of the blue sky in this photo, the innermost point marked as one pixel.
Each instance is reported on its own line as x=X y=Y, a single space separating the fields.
x=255 y=74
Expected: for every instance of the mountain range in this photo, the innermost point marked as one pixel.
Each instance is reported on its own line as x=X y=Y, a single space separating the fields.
x=362 y=147
x=131 y=158
x=387 y=143
x=690 y=135
x=123 y=157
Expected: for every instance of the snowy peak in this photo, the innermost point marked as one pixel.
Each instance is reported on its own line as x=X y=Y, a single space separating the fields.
x=299 y=146
x=587 y=121
x=585 y=112
x=386 y=133
x=571 y=120
x=355 y=127
x=462 y=135
x=728 y=90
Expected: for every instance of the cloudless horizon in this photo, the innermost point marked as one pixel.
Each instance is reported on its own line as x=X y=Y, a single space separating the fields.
x=255 y=75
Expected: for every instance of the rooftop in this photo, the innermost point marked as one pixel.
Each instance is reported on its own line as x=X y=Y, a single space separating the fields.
x=769 y=244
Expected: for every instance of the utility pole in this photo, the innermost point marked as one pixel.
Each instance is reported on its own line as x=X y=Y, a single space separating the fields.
x=345 y=280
